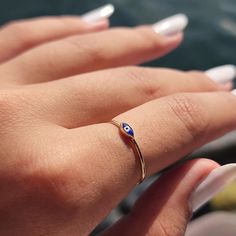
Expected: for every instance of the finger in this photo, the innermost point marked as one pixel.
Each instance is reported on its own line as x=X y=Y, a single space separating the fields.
x=85 y=53
x=223 y=75
x=99 y=14
x=216 y=223
x=193 y=120
x=98 y=97
x=17 y=37
x=164 y=209
x=166 y=129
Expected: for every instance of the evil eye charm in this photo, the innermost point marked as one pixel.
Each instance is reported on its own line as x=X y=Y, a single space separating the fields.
x=127 y=130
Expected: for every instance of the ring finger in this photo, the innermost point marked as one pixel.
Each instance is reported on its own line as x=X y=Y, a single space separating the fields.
x=101 y=50
x=97 y=97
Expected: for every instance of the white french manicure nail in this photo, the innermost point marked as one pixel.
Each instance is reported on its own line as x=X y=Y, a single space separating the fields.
x=171 y=25
x=234 y=92
x=213 y=184
x=98 y=14
x=222 y=74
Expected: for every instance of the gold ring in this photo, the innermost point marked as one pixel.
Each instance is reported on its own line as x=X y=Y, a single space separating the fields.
x=128 y=132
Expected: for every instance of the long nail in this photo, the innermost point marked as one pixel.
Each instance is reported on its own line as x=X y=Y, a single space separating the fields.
x=98 y=14
x=234 y=92
x=227 y=86
x=214 y=183
x=222 y=74
x=171 y=25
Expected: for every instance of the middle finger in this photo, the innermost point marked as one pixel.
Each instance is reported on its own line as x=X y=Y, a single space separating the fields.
x=90 y=52
x=97 y=97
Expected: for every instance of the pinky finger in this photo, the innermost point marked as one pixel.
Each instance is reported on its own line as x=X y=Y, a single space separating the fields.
x=164 y=209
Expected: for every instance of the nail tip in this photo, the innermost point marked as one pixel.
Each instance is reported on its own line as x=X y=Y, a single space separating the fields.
x=110 y=9
x=183 y=17
x=171 y=25
x=213 y=184
x=233 y=68
x=234 y=92
x=230 y=67
x=222 y=74
x=99 y=14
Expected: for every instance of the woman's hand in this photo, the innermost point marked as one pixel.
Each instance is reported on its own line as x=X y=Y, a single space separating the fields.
x=63 y=167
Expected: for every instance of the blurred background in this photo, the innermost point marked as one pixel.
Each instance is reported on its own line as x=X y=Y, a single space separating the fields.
x=210 y=41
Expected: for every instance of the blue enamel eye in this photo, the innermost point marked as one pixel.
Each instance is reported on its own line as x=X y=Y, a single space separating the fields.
x=127 y=129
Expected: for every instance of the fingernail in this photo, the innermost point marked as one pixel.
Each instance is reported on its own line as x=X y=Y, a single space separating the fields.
x=171 y=25
x=222 y=74
x=227 y=86
x=234 y=92
x=98 y=14
x=213 y=184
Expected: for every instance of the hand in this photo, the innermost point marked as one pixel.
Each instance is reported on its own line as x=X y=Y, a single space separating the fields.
x=63 y=167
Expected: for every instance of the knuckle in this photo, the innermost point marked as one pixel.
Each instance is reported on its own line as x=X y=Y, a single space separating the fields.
x=42 y=181
x=61 y=182
x=7 y=106
x=14 y=107
x=142 y=80
x=191 y=113
x=45 y=180
x=50 y=181
x=45 y=177
x=92 y=49
x=69 y=21
x=66 y=22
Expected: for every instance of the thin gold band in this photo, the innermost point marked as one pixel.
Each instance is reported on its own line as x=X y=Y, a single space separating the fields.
x=122 y=127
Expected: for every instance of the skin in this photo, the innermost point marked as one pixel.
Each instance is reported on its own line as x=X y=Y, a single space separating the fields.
x=63 y=167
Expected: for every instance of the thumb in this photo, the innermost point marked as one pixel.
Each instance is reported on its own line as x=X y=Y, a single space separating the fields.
x=164 y=208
